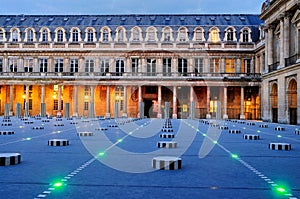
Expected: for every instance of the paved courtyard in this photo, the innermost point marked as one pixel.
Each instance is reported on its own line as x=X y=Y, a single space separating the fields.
x=114 y=159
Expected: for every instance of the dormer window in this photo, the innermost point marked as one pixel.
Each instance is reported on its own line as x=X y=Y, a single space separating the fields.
x=182 y=35
x=60 y=36
x=199 y=35
x=229 y=34
x=75 y=35
x=105 y=35
x=15 y=36
x=121 y=35
x=90 y=36
x=214 y=35
x=30 y=35
x=245 y=36
x=136 y=35
x=167 y=35
x=45 y=36
x=151 y=34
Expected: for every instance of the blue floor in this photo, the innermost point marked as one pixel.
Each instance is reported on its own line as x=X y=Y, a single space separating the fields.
x=255 y=172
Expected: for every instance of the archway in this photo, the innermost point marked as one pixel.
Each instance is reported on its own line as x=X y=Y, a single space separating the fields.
x=274 y=103
x=292 y=101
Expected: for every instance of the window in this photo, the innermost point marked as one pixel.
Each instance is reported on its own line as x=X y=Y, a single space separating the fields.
x=120 y=67
x=198 y=65
x=151 y=67
x=151 y=34
x=214 y=35
x=45 y=36
x=1 y=65
x=245 y=36
x=182 y=35
x=214 y=65
x=13 y=64
x=182 y=67
x=134 y=65
x=246 y=66
x=199 y=35
x=28 y=65
x=119 y=92
x=15 y=37
x=43 y=65
x=105 y=35
x=167 y=63
x=73 y=65
x=229 y=34
x=87 y=92
x=75 y=35
x=30 y=36
x=55 y=105
x=89 y=65
x=86 y=106
x=104 y=66
x=60 y=36
x=1 y=36
x=136 y=35
x=29 y=97
x=230 y=65
x=120 y=35
x=90 y=36
x=29 y=104
x=58 y=65
x=167 y=35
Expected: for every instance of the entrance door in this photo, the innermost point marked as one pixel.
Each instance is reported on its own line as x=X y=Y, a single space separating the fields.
x=148 y=108
x=275 y=115
x=293 y=116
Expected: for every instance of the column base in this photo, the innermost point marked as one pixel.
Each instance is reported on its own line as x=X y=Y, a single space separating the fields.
x=124 y=115
x=242 y=117
x=107 y=115
x=174 y=116
x=10 y=113
x=208 y=116
x=225 y=116
x=159 y=116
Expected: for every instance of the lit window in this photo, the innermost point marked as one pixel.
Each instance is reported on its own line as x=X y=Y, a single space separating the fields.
x=214 y=35
x=214 y=65
x=230 y=65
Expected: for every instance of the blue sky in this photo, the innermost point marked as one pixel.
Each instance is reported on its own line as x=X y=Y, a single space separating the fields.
x=130 y=6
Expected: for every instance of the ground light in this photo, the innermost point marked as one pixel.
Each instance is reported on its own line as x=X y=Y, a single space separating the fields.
x=235 y=156
x=58 y=184
x=281 y=190
x=215 y=142
x=101 y=154
x=120 y=140
x=279 y=136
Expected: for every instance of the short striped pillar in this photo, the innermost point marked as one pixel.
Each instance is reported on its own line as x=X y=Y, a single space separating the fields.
x=250 y=123
x=113 y=125
x=167 y=135
x=37 y=127
x=263 y=126
x=297 y=132
x=234 y=131
x=251 y=137
x=101 y=129
x=58 y=142
x=166 y=163
x=59 y=124
x=280 y=146
x=279 y=128
x=7 y=159
x=84 y=134
x=167 y=130
x=165 y=144
x=223 y=127
x=7 y=132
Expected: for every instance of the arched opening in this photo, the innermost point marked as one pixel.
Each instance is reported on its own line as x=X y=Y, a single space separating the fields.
x=274 y=103
x=292 y=101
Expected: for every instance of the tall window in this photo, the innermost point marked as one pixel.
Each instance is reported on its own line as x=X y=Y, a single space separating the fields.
x=75 y=35
x=13 y=64
x=1 y=65
x=136 y=35
x=28 y=65
x=120 y=67
x=43 y=65
x=214 y=65
x=58 y=65
x=167 y=63
x=86 y=106
x=105 y=35
x=121 y=35
x=89 y=65
x=151 y=35
x=167 y=35
x=119 y=92
x=214 y=35
x=151 y=67
x=60 y=36
x=1 y=36
x=104 y=66
x=45 y=35
x=229 y=34
x=74 y=65
x=245 y=36
x=182 y=35
x=90 y=36
x=29 y=96
x=30 y=36
x=230 y=65
x=199 y=35
x=55 y=105
x=246 y=66
x=134 y=65
x=182 y=66
x=15 y=36
x=198 y=65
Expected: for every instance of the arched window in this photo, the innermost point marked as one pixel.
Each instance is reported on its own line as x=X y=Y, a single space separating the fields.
x=167 y=35
x=245 y=35
x=136 y=35
x=45 y=35
x=30 y=35
x=60 y=36
x=90 y=35
x=75 y=35
x=15 y=36
x=198 y=35
x=182 y=35
x=105 y=35
x=214 y=35
x=120 y=35
x=230 y=34
x=151 y=34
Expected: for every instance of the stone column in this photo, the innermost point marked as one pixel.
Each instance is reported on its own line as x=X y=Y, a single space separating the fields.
x=262 y=64
x=43 y=104
x=125 y=102
x=92 y=106
x=192 y=103
x=75 y=101
x=108 y=101
x=66 y=64
x=11 y=89
x=270 y=45
x=225 y=116
x=208 y=116
x=59 y=98
x=159 y=115
x=159 y=66
x=286 y=36
x=242 y=116
x=26 y=113
x=282 y=37
x=174 y=102
x=265 y=68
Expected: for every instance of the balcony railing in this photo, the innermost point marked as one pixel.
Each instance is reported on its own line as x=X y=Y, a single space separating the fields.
x=291 y=60
x=273 y=67
x=129 y=75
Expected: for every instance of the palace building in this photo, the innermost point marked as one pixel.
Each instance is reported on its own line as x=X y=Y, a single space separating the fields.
x=182 y=66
